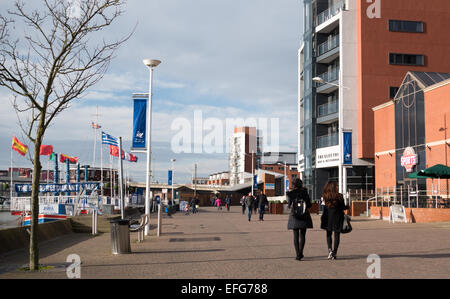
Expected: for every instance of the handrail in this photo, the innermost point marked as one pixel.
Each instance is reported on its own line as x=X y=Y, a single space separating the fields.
x=367 y=204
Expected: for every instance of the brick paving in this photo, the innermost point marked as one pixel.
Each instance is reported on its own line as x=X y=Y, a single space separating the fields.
x=224 y=245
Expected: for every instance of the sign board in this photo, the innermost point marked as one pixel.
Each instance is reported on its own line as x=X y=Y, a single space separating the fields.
x=73 y=187
x=348 y=159
x=327 y=157
x=409 y=159
x=287 y=185
x=170 y=178
x=164 y=191
x=269 y=186
x=139 y=123
x=255 y=182
x=397 y=213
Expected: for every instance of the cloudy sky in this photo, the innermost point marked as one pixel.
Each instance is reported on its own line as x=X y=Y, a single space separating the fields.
x=224 y=58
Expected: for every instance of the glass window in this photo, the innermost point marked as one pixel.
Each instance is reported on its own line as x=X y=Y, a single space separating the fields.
x=405 y=26
x=393 y=91
x=407 y=59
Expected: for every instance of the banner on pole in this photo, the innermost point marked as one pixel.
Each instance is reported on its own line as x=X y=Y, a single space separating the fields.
x=348 y=148
x=170 y=178
x=139 y=123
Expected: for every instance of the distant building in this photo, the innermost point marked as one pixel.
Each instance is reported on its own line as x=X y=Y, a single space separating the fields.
x=245 y=147
x=219 y=179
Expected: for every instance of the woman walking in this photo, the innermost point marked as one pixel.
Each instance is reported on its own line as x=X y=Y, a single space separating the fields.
x=299 y=222
x=332 y=216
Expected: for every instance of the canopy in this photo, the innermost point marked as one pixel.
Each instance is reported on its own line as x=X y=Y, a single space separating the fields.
x=437 y=171
x=415 y=175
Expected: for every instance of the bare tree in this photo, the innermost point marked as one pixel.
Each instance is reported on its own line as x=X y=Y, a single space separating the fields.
x=57 y=57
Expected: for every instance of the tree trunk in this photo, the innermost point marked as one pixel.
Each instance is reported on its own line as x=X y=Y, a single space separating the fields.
x=34 y=243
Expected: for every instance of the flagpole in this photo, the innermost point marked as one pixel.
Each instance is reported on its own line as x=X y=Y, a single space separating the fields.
x=101 y=169
x=11 y=174
x=121 y=194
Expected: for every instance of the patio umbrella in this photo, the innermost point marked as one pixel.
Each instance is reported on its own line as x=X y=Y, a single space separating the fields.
x=437 y=171
x=416 y=175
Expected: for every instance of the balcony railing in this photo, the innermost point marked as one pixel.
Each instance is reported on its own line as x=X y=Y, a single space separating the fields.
x=330 y=76
x=327 y=109
x=329 y=13
x=329 y=45
x=327 y=140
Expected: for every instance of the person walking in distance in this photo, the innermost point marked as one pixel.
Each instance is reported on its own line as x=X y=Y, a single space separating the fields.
x=218 y=203
x=262 y=203
x=228 y=202
x=299 y=218
x=243 y=204
x=332 y=216
x=249 y=202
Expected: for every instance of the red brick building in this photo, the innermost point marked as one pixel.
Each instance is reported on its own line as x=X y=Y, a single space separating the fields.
x=411 y=132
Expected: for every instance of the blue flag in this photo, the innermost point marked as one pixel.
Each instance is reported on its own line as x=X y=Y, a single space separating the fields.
x=139 y=124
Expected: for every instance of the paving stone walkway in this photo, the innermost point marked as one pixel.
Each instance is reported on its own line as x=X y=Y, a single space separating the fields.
x=224 y=245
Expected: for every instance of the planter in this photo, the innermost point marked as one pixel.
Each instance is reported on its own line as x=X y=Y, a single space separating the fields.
x=276 y=208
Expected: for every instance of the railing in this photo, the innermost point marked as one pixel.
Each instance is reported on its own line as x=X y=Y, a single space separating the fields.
x=327 y=140
x=329 y=13
x=329 y=45
x=330 y=76
x=410 y=198
x=328 y=108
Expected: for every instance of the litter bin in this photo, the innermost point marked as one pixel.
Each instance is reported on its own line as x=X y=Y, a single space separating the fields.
x=120 y=236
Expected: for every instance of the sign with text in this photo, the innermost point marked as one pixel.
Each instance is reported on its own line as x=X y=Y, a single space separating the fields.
x=409 y=159
x=74 y=187
x=348 y=159
x=397 y=213
x=139 y=124
x=327 y=157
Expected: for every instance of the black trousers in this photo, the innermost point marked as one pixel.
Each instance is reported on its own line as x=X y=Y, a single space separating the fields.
x=337 y=238
x=299 y=241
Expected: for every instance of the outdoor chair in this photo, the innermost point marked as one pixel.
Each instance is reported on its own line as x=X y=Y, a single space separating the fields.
x=139 y=227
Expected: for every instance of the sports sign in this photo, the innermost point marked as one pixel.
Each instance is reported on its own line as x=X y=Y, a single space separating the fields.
x=409 y=159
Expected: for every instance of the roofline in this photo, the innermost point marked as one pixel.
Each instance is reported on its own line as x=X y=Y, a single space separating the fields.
x=437 y=85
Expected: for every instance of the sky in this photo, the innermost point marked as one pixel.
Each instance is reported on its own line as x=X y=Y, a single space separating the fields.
x=224 y=59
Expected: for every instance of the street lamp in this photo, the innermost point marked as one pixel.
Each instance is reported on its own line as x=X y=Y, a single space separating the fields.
x=151 y=64
x=284 y=184
x=172 y=160
x=342 y=170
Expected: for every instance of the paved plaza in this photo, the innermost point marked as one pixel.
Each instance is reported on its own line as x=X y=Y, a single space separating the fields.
x=224 y=245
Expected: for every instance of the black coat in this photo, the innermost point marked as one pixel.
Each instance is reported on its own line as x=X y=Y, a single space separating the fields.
x=333 y=218
x=262 y=202
x=294 y=222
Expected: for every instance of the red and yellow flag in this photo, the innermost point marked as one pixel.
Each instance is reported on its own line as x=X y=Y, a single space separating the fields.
x=19 y=146
x=72 y=160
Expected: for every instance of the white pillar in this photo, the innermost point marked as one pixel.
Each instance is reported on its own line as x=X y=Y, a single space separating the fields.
x=149 y=136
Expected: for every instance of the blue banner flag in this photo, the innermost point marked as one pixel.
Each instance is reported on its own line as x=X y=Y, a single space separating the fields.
x=139 y=123
x=170 y=178
x=109 y=139
x=348 y=148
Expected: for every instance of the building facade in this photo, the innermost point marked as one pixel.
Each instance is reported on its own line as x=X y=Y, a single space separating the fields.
x=245 y=147
x=353 y=57
x=411 y=132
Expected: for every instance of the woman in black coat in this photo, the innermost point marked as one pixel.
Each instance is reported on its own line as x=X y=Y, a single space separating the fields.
x=332 y=216
x=297 y=225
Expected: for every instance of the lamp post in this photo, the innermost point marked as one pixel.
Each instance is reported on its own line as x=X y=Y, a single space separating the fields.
x=151 y=64
x=342 y=169
x=172 y=160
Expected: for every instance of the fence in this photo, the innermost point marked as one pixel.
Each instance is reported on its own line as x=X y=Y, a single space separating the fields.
x=409 y=197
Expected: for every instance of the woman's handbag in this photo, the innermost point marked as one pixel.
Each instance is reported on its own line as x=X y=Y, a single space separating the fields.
x=346 y=225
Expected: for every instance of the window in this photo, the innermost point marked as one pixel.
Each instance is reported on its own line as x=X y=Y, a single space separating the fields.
x=406 y=59
x=393 y=91
x=405 y=26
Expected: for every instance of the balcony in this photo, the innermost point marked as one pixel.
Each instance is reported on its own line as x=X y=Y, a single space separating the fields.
x=328 y=77
x=329 y=14
x=328 y=51
x=327 y=113
x=327 y=140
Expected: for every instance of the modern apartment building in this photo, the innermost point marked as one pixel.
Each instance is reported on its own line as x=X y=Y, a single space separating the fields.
x=353 y=57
